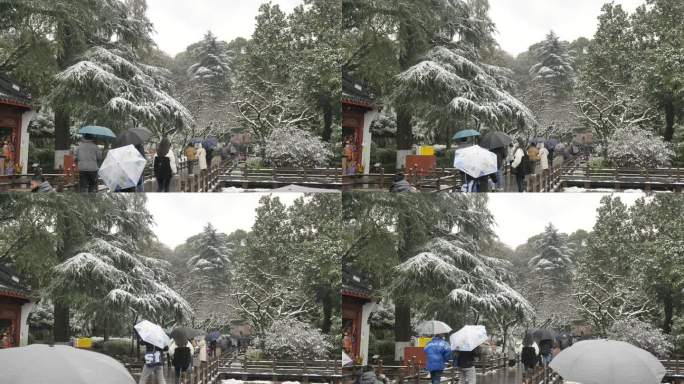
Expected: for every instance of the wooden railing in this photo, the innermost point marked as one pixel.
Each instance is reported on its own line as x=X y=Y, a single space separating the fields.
x=675 y=369
x=303 y=371
x=624 y=178
x=414 y=373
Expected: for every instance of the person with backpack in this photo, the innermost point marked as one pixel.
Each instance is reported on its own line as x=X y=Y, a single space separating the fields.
x=437 y=352
x=545 y=351
x=154 y=364
x=521 y=164
x=465 y=361
x=181 y=358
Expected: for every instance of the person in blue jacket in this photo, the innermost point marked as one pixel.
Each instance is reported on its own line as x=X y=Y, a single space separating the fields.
x=437 y=352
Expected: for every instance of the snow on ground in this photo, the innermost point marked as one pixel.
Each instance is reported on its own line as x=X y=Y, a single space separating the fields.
x=241 y=190
x=233 y=381
x=606 y=190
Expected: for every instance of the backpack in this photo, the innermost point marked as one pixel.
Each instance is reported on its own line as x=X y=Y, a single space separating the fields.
x=525 y=165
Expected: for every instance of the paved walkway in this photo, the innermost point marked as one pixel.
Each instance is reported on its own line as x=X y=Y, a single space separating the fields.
x=502 y=376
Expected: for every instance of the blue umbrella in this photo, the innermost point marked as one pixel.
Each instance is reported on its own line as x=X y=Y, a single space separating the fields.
x=551 y=143
x=210 y=143
x=100 y=132
x=213 y=336
x=466 y=134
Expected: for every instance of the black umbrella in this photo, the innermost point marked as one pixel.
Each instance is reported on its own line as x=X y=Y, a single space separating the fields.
x=495 y=139
x=543 y=334
x=181 y=335
x=135 y=136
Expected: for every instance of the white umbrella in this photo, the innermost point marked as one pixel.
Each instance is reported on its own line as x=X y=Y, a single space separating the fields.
x=608 y=362
x=44 y=364
x=153 y=334
x=346 y=360
x=468 y=338
x=475 y=161
x=432 y=327
x=122 y=168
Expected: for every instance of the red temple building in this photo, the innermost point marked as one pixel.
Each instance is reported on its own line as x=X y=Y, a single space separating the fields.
x=15 y=306
x=358 y=112
x=357 y=306
x=15 y=115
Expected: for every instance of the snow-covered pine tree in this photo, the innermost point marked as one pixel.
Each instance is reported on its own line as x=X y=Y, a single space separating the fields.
x=554 y=68
x=451 y=272
x=107 y=276
x=111 y=86
x=451 y=83
x=212 y=68
x=212 y=264
x=554 y=259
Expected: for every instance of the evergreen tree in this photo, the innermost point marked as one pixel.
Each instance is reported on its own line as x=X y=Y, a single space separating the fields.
x=554 y=67
x=212 y=264
x=554 y=259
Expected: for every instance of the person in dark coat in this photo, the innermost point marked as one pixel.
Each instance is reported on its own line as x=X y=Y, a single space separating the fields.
x=401 y=184
x=465 y=362
x=154 y=365
x=88 y=158
x=39 y=184
x=181 y=358
x=545 y=351
x=368 y=376
x=163 y=169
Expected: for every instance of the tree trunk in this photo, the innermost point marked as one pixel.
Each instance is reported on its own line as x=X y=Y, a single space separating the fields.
x=669 y=119
x=61 y=330
x=402 y=322
x=668 y=308
x=448 y=136
x=327 y=313
x=404 y=129
x=62 y=134
x=105 y=328
x=327 y=119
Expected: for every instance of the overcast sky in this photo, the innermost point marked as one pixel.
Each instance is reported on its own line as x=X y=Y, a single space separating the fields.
x=521 y=216
x=180 y=23
x=180 y=216
x=522 y=23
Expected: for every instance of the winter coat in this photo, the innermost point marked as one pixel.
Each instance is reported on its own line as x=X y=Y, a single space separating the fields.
x=545 y=347
x=154 y=357
x=528 y=357
x=44 y=187
x=165 y=167
x=202 y=157
x=191 y=153
x=533 y=153
x=521 y=162
x=181 y=356
x=437 y=352
x=202 y=350
x=544 y=157
x=88 y=155
x=369 y=378
x=402 y=186
x=466 y=359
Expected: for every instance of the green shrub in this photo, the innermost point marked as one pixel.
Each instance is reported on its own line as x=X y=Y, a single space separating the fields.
x=254 y=163
x=445 y=158
x=386 y=157
x=114 y=347
x=382 y=348
x=597 y=162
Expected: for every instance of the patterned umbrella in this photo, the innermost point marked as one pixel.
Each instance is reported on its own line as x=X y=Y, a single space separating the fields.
x=41 y=363
x=152 y=333
x=122 y=168
x=475 y=161
x=468 y=338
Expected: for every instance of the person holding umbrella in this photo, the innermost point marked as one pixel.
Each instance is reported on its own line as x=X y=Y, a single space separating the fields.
x=438 y=353
x=181 y=357
x=191 y=156
x=164 y=165
x=154 y=365
x=466 y=346
x=521 y=164
x=88 y=157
